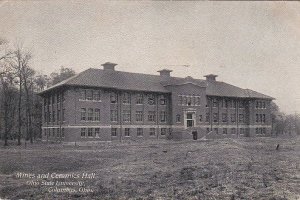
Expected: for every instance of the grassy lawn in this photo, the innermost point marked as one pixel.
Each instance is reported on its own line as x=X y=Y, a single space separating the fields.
x=249 y=168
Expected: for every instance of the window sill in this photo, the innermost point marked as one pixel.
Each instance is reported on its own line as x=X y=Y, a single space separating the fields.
x=89 y=121
x=89 y=100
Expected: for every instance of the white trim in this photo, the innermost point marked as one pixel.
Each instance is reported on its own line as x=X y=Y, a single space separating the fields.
x=159 y=126
x=83 y=100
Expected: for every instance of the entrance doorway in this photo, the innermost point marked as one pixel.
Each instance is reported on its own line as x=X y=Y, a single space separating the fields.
x=190 y=120
x=195 y=135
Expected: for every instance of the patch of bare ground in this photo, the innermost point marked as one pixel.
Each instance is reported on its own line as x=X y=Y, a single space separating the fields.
x=249 y=168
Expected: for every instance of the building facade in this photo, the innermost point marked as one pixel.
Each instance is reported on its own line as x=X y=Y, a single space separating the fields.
x=106 y=105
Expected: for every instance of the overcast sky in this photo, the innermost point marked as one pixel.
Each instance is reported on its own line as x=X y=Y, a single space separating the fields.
x=253 y=45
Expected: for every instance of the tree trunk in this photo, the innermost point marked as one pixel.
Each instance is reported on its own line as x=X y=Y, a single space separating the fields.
x=5 y=108
x=19 y=113
x=28 y=110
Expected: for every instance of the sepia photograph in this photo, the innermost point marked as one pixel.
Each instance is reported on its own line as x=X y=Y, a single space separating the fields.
x=154 y=100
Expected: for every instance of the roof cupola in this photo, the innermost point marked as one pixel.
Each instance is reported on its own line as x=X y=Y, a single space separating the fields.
x=109 y=66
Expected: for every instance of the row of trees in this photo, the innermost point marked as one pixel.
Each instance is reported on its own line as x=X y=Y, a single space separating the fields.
x=20 y=106
x=283 y=124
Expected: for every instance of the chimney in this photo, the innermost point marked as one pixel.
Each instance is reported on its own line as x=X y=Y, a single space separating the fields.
x=165 y=72
x=211 y=77
x=109 y=66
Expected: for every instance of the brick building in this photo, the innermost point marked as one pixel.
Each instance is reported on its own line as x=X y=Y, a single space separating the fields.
x=105 y=104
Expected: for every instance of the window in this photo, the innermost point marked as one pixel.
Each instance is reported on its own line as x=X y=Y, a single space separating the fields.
x=63 y=115
x=126 y=98
x=63 y=96
x=224 y=103
x=97 y=132
x=83 y=132
x=233 y=118
x=241 y=104
x=57 y=133
x=185 y=102
x=216 y=130
x=90 y=132
x=257 y=131
x=178 y=118
x=207 y=130
x=151 y=99
x=189 y=101
x=152 y=132
x=53 y=99
x=163 y=116
x=53 y=116
x=163 y=100
x=83 y=114
x=257 y=118
x=151 y=116
x=58 y=98
x=83 y=94
x=180 y=100
x=190 y=121
x=97 y=114
x=96 y=95
x=113 y=98
x=50 y=117
x=163 y=131
x=257 y=105
x=90 y=114
x=89 y=95
x=224 y=117
x=139 y=99
x=126 y=115
x=233 y=131
x=263 y=130
x=263 y=104
x=45 y=115
x=242 y=131
x=114 y=115
x=207 y=117
x=53 y=132
x=45 y=102
x=200 y=118
x=139 y=132
x=58 y=115
x=139 y=116
x=263 y=118
x=63 y=132
x=233 y=104
x=215 y=103
x=224 y=130
x=241 y=118
x=114 y=132
x=127 y=132
x=215 y=117
x=198 y=101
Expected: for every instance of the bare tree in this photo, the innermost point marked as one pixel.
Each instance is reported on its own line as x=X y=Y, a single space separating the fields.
x=63 y=74
x=20 y=63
